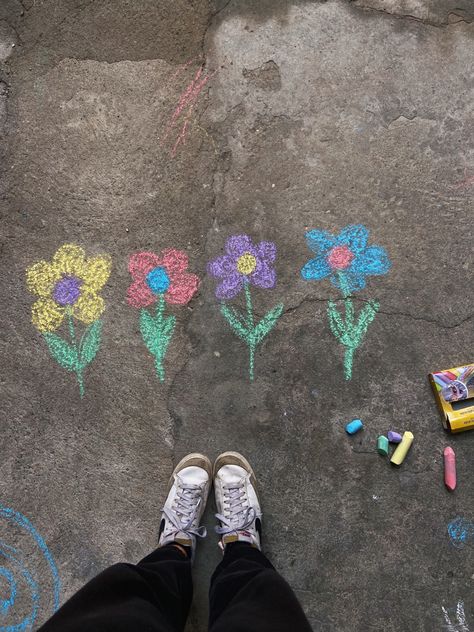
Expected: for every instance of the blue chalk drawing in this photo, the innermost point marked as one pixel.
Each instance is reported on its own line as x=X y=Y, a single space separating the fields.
x=17 y=571
x=346 y=260
x=461 y=531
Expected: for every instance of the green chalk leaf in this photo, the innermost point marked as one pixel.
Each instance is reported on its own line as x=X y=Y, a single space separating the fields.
x=165 y=335
x=240 y=318
x=148 y=329
x=267 y=323
x=156 y=333
x=90 y=343
x=366 y=316
x=168 y=327
x=64 y=354
x=231 y=317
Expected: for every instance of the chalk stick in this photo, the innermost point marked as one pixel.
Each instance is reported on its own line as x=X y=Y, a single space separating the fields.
x=449 y=468
x=354 y=426
x=382 y=445
x=394 y=437
x=402 y=448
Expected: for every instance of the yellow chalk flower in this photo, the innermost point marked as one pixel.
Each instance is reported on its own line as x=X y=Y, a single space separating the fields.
x=69 y=284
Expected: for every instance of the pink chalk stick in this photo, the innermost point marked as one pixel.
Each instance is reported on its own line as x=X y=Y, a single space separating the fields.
x=449 y=468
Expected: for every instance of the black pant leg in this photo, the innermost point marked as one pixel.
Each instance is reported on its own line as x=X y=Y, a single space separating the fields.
x=151 y=596
x=248 y=595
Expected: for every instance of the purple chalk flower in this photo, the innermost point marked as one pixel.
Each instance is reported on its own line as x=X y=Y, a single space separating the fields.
x=243 y=263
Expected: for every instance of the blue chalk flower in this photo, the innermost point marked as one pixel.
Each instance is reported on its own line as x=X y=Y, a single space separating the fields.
x=345 y=258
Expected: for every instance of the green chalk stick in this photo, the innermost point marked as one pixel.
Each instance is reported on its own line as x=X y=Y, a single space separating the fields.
x=382 y=445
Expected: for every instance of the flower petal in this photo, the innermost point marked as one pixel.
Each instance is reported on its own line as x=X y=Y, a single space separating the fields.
x=316 y=269
x=182 y=288
x=175 y=261
x=140 y=264
x=264 y=276
x=221 y=266
x=266 y=250
x=238 y=244
x=70 y=259
x=354 y=236
x=320 y=241
x=230 y=286
x=353 y=282
x=140 y=295
x=46 y=315
x=41 y=277
x=88 y=307
x=96 y=272
x=373 y=261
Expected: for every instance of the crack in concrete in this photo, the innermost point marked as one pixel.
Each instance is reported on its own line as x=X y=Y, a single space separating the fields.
x=413 y=18
x=176 y=421
x=431 y=321
x=213 y=15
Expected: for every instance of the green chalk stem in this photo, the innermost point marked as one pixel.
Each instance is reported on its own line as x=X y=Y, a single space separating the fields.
x=350 y=331
x=157 y=332
x=79 y=368
x=251 y=339
x=245 y=328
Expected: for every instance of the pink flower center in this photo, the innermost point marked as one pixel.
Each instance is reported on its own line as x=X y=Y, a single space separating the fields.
x=340 y=258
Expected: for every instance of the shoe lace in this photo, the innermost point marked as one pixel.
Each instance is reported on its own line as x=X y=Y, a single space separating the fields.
x=183 y=513
x=238 y=517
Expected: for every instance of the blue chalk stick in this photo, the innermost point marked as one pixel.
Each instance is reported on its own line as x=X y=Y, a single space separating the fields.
x=354 y=426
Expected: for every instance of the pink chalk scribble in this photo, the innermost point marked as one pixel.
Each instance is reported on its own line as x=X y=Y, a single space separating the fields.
x=179 y=120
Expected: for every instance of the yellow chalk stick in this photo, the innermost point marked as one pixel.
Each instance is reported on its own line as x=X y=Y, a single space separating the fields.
x=400 y=453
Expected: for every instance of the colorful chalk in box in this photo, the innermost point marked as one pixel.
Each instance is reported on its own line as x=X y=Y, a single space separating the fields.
x=354 y=426
x=454 y=394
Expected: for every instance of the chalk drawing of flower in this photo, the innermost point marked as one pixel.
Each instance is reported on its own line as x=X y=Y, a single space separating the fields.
x=68 y=289
x=346 y=260
x=159 y=279
x=245 y=264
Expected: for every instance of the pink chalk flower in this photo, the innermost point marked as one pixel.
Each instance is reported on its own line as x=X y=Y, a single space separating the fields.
x=162 y=275
x=159 y=279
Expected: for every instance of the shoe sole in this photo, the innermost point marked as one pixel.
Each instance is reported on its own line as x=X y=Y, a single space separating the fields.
x=234 y=458
x=195 y=458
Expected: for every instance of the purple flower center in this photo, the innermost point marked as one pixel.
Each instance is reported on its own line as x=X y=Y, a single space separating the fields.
x=67 y=290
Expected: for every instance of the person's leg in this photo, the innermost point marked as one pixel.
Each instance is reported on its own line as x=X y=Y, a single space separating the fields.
x=155 y=594
x=247 y=594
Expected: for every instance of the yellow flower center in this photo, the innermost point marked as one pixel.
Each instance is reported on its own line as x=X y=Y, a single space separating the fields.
x=247 y=263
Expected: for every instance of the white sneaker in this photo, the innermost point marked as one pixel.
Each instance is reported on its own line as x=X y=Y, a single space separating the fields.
x=188 y=491
x=238 y=507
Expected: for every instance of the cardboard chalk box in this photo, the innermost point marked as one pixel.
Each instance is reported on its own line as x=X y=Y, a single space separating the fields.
x=454 y=393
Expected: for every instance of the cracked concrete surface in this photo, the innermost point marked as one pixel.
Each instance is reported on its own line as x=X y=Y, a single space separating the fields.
x=319 y=115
